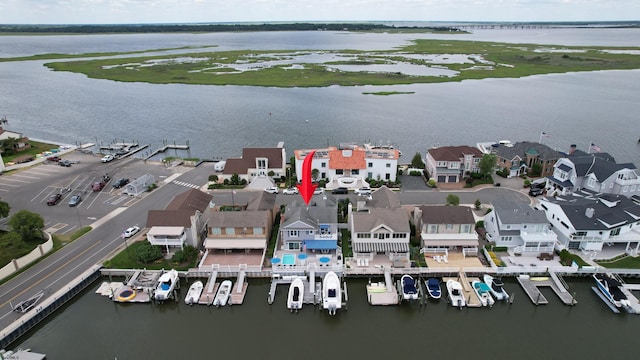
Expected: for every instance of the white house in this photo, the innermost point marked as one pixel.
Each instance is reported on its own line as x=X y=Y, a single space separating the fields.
x=593 y=222
x=520 y=228
x=350 y=165
x=448 y=164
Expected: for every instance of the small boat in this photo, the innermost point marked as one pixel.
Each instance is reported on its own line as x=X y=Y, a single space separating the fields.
x=496 y=287
x=611 y=288
x=409 y=289
x=296 y=295
x=222 y=296
x=456 y=295
x=193 y=295
x=331 y=293
x=26 y=305
x=484 y=292
x=433 y=288
x=166 y=284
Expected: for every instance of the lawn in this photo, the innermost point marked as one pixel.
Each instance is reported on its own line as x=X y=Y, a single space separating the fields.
x=36 y=148
x=126 y=259
x=626 y=262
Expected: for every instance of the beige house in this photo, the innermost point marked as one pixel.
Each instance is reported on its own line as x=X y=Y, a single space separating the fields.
x=448 y=164
x=446 y=227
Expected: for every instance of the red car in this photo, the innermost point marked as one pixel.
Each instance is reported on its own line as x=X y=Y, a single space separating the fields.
x=54 y=199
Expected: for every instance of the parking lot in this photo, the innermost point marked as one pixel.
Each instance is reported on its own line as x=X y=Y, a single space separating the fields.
x=30 y=189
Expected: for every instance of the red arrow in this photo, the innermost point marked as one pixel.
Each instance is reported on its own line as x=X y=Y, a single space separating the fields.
x=307 y=187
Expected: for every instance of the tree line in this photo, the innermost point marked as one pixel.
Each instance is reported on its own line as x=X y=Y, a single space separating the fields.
x=163 y=28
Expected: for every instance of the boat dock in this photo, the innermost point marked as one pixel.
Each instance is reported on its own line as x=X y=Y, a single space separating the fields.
x=137 y=287
x=469 y=294
x=383 y=293
x=239 y=290
x=312 y=288
x=531 y=285
x=167 y=147
x=210 y=289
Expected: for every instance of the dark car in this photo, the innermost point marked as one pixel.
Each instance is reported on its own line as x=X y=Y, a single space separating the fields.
x=53 y=159
x=340 y=190
x=75 y=200
x=120 y=183
x=537 y=189
x=54 y=199
x=65 y=163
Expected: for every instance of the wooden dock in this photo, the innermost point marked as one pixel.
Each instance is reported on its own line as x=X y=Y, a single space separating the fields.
x=469 y=294
x=531 y=285
x=312 y=289
x=165 y=148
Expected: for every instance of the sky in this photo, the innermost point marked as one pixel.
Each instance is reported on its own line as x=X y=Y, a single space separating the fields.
x=191 y=11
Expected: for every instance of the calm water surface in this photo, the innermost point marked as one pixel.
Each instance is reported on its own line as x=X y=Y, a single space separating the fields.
x=258 y=330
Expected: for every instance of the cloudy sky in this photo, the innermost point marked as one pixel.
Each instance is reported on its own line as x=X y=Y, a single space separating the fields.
x=183 y=11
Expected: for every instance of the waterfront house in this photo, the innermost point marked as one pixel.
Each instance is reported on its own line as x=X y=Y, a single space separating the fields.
x=449 y=164
x=380 y=227
x=518 y=158
x=520 y=228
x=239 y=235
x=257 y=162
x=593 y=173
x=181 y=223
x=311 y=229
x=590 y=223
x=444 y=228
x=350 y=165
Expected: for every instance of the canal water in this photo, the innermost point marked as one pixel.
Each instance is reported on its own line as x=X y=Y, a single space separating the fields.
x=94 y=327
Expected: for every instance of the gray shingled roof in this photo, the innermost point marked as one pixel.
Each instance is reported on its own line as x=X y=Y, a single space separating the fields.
x=190 y=200
x=395 y=219
x=511 y=212
x=576 y=210
x=237 y=219
x=523 y=148
x=600 y=167
x=440 y=214
x=384 y=198
x=262 y=201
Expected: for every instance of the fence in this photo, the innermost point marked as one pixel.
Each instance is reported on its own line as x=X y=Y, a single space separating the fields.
x=17 y=264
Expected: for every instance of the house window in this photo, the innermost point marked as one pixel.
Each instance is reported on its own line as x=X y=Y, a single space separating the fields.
x=433 y=229
x=323 y=164
x=261 y=163
x=592 y=182
x=257 y=231
x=309 y=232
x=625 y=188
x=465 y=228
x=449 y=226
x=230 y=231
x=293 y=233
x=216 y=231
x=370 y=164
x=387 y=176
x=339 y=171
x=355 y=172
x=324 y=229
x=323 y=175
x=388 y=165
x=615 y=232
x=506 y=238
x=294 y=245
x=400 y=236
x=369 y=175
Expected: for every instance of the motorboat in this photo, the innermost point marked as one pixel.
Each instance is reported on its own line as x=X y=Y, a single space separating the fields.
x=166 y=283
x=193 y=295
x=456 y=295
x=611 y=288
x=433 y=288
x=296 y=295
x=331 y=293
x=409 y=289
x=484 y=292
x=496 y=287
x=224 y=291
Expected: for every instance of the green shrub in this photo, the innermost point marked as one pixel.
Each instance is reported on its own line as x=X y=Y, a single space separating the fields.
x=213 y=178
x=148 y=253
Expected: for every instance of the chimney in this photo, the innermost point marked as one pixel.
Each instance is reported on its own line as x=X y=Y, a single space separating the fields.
x=572 y=148
x=589 y=212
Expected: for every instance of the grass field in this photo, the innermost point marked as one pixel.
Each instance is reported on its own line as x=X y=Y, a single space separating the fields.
x=281 y=68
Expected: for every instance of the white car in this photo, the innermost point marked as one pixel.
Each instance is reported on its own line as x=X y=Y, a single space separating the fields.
x=107 y=158
x=271 y=190
x=363 y=191
x=318 y=191
x=131 y=231
x=290 y=191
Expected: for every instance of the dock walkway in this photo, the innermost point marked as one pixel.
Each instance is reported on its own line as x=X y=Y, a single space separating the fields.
x=531 y=285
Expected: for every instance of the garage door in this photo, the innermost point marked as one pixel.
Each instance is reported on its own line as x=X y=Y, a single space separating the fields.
x=453 y=178
x=442 y=178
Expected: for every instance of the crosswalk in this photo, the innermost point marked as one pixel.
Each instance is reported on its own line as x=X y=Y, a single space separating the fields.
x=186 y=184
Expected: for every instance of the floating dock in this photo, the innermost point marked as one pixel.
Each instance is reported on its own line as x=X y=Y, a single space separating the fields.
x=531 y=285
x=469 y=294
x=382 y=293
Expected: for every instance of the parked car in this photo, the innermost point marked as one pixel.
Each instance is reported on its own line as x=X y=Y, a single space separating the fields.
x=131 y=231
x=54 y=199
x=107 y=158
x=75 y=200
x=53 y=158
x=536 y=189
x=97 y=186
x=65 y=163
x=363 y=191
x=120 y=183
x=340 y=190
x=290 y=191
x=271 y=190
x=318 y=191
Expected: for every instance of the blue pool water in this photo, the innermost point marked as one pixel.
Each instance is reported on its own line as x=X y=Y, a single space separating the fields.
x=288 y=259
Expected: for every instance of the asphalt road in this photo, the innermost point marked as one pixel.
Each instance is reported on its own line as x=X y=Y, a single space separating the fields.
x=29 y=189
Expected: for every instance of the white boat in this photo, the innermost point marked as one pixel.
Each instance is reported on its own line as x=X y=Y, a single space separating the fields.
x=331 y=293
x=166 y=284
x=456 y=295
x=496 y=287
x=484 y=292
x=433 y=288
x=193 y=295
x=611 y=288
x=296 y=295
x=409 y=289
x=222 y=296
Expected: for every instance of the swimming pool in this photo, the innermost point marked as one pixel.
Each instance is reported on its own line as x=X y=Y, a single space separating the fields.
x=288 y=259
